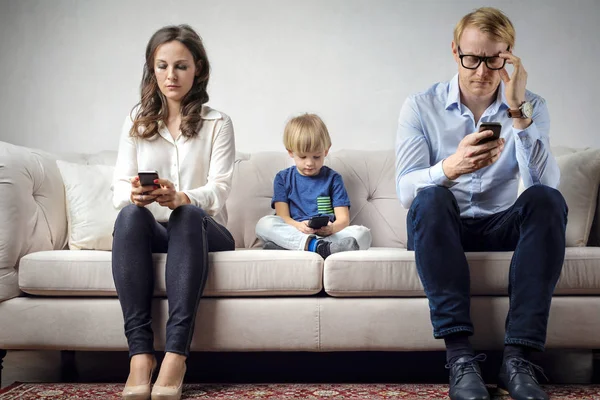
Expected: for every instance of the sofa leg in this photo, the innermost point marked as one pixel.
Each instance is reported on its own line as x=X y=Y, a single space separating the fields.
x=68 y=366
x=596 y=366
x=2 y=355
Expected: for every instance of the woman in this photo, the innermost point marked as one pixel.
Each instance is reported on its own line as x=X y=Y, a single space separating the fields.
x=183 y=214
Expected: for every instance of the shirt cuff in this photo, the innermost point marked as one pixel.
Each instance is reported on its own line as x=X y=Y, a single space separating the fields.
x=121 y=195
x=438 y=177
x=196 y=199
x=528 y=136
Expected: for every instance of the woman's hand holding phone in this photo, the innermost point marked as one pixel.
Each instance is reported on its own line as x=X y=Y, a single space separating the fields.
x=147 y=188
x=167 y=196
x=141 y=195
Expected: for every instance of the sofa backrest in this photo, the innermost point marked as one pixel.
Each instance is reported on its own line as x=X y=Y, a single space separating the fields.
x=368 y=177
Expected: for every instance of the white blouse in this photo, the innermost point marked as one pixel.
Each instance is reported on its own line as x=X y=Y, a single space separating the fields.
x=201 y=167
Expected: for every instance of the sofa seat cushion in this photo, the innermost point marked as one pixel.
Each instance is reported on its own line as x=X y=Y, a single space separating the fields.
x=231 y=273
x=384 y=272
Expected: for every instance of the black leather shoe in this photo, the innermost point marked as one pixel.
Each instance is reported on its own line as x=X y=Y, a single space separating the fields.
x=466 y=382
x=517 y=378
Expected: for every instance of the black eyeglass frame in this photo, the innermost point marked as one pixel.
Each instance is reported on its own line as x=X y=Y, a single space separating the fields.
x=481 y=59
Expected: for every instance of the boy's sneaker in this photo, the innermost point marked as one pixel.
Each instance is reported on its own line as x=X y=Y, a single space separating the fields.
x=272 y=246
x=326 y=248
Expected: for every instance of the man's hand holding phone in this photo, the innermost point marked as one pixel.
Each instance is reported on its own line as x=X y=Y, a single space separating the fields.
x=472 y=155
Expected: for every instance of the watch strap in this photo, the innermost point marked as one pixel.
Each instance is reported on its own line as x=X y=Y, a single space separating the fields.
x=512 y=113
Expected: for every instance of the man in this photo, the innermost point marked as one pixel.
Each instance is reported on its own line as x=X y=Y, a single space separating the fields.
x=462 y=195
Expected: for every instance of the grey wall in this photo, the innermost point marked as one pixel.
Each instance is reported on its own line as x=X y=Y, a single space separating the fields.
x=70 y=69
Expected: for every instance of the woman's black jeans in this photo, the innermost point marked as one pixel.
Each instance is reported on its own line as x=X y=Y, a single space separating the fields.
x=187 y=238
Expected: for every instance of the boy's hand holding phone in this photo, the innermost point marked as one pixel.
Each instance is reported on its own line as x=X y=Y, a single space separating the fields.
x=303 y=227
x=326 y=230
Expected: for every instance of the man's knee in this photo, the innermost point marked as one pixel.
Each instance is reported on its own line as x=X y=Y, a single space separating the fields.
x=434 y=201
x=544 y=199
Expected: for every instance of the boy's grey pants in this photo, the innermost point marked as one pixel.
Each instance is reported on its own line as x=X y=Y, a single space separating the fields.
x=273 y=229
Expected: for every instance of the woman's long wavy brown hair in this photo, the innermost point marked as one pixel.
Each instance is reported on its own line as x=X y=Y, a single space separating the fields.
x=152 y=107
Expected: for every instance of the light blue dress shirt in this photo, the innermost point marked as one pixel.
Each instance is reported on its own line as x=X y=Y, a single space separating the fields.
x=431 y=125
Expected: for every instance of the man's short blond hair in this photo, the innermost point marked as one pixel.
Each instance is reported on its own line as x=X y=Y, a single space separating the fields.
x=306 y=133
x=490 y=21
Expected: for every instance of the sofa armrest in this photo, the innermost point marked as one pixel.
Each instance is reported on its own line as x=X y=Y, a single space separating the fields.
x=32 y=210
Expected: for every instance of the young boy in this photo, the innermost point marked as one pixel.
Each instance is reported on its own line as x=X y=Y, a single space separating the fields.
x=307 y=190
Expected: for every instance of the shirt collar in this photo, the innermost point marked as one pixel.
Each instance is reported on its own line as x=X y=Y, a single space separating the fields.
x=454 y=95
x=206 y=113
x=501 y=99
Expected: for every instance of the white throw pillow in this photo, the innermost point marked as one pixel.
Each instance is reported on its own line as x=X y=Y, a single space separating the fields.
x=90 y=212
x=579 y=180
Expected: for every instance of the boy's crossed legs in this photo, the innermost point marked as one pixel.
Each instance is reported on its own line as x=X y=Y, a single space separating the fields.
x=276 y=234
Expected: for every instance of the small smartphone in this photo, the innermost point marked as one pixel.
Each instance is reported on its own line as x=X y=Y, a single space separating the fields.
x=147 y=178
x=495 y=127
x=318 y=222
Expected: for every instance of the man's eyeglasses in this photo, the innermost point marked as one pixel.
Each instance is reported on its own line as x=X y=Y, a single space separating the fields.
x=471 y=61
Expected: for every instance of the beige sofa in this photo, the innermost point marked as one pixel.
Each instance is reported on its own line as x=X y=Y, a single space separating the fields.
x=260 y=300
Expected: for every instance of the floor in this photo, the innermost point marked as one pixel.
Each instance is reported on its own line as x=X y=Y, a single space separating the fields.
x=427 y=367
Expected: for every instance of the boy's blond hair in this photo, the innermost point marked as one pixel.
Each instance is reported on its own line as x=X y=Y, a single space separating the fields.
x=306 y=133
x=490 y=21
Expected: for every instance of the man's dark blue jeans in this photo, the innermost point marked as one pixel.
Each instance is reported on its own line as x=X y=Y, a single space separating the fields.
x=187 y=238
x=534 y=228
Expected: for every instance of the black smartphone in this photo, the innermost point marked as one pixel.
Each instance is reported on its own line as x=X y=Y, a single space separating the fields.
x=318 y=222
x=495 y=127
x=147 y=178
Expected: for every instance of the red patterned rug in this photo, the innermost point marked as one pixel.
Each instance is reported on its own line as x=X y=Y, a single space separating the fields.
x=279 y=391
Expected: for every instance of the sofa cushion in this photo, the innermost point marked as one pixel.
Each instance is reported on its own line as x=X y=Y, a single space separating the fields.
x=393 y=272
x=402 y=324
x=222 y=324
x=251 y=193
x=231 y=273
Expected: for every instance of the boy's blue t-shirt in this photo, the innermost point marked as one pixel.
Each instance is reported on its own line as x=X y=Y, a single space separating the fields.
x=309 y=196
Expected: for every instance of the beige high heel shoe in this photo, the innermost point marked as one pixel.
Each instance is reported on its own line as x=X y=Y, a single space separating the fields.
x=139 y=392
x=169 y=393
